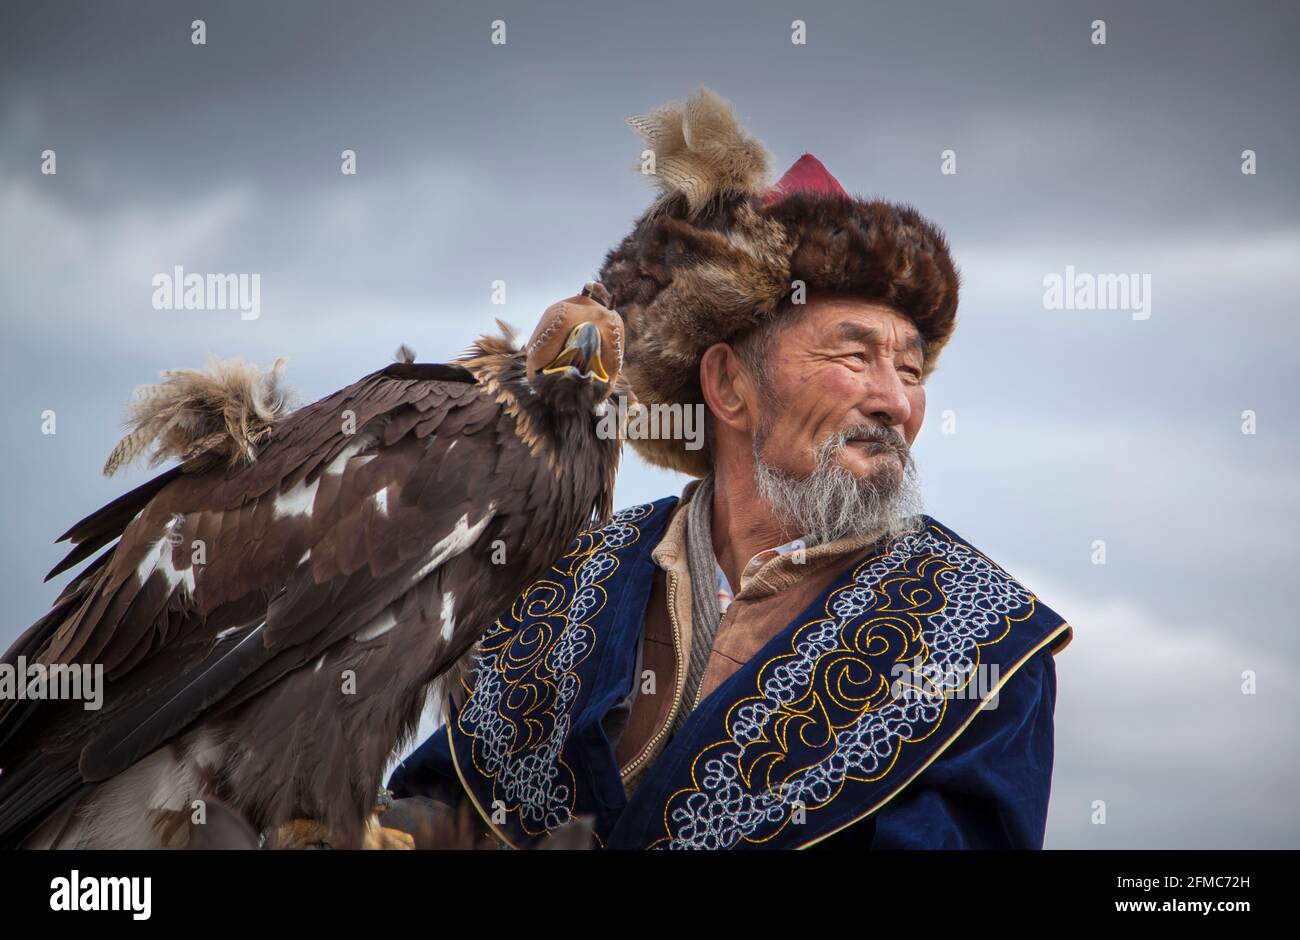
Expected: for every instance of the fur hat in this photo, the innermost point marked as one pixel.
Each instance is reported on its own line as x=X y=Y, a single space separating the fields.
x=719 y=252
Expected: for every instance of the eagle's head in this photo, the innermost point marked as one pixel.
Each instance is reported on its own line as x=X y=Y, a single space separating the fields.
x=575 y=355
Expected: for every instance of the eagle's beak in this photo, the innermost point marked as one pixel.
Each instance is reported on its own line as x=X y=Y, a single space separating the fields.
x=580 y=357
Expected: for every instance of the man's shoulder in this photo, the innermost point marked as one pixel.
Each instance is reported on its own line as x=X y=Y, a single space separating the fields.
x=643 y=510
x=639 y=516
x=934 y=534
x=626 y=527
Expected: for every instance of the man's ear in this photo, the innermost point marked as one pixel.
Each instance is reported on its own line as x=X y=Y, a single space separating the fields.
x=728 y=389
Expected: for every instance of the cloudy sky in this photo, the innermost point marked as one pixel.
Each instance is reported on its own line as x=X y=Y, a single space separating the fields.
x=479 y=162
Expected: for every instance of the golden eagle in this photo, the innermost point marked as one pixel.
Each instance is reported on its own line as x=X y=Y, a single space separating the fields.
x=274 y=611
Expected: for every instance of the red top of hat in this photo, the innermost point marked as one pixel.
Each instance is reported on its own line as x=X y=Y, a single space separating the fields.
x=808 y=173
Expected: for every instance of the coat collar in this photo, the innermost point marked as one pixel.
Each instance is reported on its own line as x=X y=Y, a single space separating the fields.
x=773 y=575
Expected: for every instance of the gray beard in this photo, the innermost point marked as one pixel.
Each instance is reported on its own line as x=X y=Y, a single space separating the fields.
x=831 y=503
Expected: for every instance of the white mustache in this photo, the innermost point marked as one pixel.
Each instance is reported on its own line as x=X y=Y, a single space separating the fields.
x=876 y=434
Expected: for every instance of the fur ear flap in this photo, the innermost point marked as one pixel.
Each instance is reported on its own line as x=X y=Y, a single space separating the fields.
x=225 y=410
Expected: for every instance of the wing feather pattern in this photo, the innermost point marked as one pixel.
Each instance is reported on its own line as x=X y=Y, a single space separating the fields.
x=223 y=580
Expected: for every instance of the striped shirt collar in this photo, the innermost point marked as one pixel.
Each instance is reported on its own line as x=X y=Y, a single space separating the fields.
x=725 y=593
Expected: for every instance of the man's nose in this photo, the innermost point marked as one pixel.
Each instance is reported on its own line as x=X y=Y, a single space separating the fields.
x=885 y=397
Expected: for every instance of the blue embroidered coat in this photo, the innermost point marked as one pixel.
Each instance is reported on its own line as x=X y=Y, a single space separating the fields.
x=910 y=706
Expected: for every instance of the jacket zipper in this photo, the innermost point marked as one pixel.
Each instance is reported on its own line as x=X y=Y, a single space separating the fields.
x=678 y=680
x=681 y=670
x=699 y=689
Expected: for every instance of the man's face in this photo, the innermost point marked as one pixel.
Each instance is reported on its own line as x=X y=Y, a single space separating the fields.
x=847 y=366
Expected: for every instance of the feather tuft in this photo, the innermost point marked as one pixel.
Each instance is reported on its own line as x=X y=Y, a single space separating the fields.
x=701 y=152
x=492 y=352
x=404 y=353
x=226 y=410
x=510 y=334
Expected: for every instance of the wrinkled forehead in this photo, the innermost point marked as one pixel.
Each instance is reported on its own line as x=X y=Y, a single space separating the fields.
x=899 y=337
x=866 y=322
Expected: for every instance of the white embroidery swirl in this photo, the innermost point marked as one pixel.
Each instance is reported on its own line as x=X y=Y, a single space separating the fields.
x=722 y=810
x=534 y=780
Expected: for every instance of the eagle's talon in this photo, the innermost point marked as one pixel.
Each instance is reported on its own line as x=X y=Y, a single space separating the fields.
x=379 y=837
x=299 y=834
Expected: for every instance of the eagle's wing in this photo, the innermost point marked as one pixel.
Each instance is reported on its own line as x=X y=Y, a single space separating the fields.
x=224 y=580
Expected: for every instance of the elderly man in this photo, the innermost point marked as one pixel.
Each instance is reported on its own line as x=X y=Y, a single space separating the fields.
x=790 y=654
